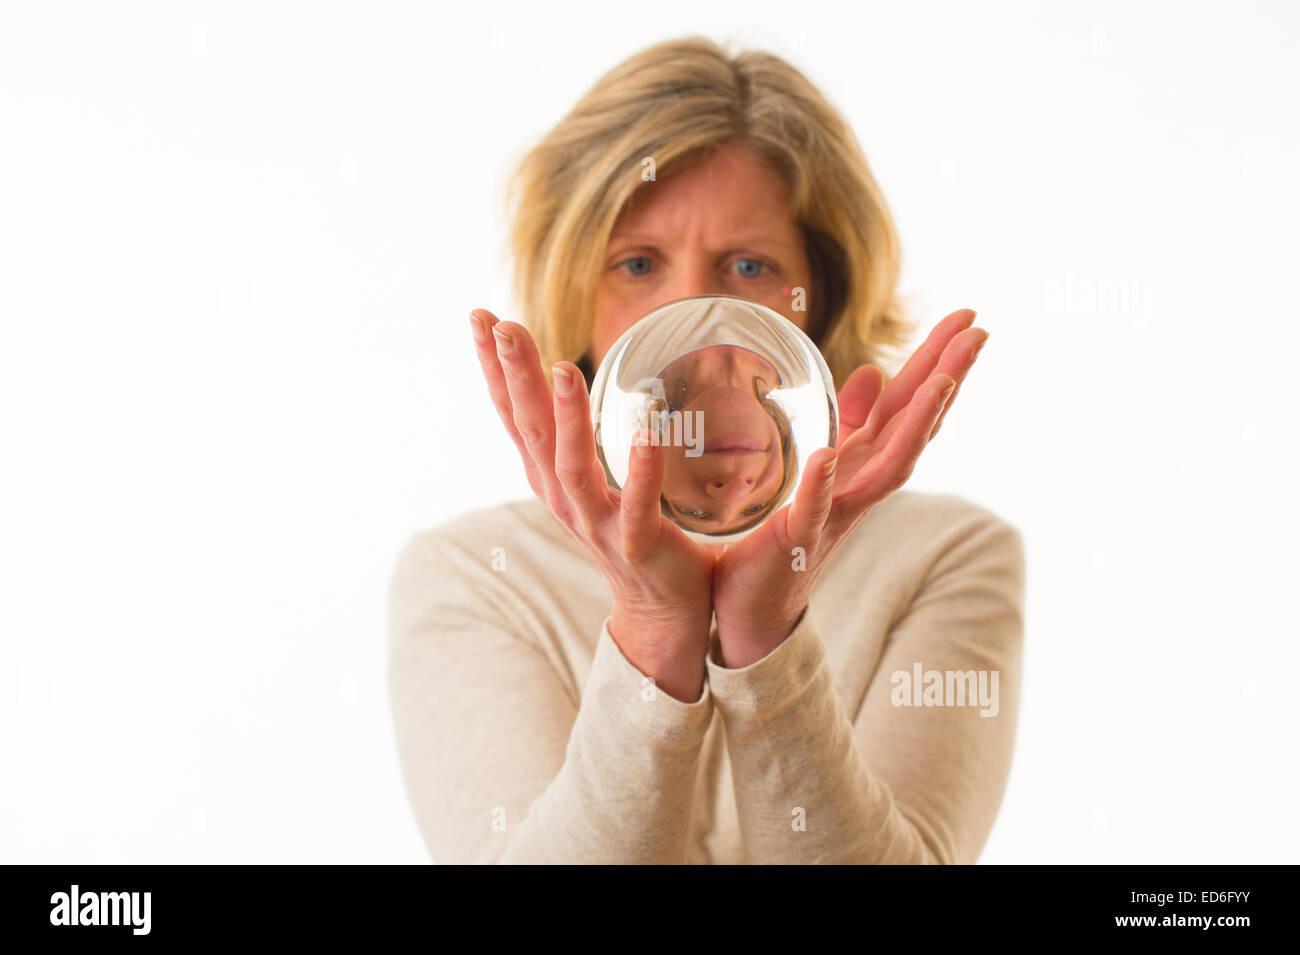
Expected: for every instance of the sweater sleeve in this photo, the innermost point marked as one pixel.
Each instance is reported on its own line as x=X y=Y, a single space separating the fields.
x=500 y=762
x=901 y=783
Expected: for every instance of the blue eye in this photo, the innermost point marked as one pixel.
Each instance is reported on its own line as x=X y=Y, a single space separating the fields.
x=639 y=265
x=633 y=261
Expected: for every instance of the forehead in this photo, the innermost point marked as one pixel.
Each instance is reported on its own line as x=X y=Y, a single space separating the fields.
x=725 y=192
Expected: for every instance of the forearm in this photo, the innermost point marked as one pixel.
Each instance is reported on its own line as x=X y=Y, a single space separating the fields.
x=625 y=792
x=829 y=769
x=803 y=791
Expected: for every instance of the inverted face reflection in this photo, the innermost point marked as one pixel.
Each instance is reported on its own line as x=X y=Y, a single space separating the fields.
x=728 y=457
x=737 y=396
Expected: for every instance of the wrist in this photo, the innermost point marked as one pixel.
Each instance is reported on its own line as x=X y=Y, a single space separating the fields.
x=665 y=631
x=668 y=648
x=742 y=642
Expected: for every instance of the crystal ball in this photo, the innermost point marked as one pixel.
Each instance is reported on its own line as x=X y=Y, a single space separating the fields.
x=735 y=393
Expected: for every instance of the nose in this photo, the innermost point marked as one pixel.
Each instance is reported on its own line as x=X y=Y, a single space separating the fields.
x=695 y=276
x=727 y=490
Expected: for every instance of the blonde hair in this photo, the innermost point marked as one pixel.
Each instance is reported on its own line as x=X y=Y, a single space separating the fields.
x=675 y=102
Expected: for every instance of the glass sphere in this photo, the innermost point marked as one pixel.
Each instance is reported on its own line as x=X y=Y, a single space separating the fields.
x=739 y=398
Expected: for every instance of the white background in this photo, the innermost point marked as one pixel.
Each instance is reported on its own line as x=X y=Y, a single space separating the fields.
x=238 y=245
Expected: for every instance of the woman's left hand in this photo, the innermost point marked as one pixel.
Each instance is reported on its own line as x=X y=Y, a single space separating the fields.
x=761 y=584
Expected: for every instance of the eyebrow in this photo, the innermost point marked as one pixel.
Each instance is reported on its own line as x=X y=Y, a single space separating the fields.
x=637 y=239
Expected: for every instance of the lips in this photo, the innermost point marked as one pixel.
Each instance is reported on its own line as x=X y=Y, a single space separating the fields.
x=733 y=443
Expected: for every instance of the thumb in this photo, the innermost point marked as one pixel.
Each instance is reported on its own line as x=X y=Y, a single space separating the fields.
x=812 y=501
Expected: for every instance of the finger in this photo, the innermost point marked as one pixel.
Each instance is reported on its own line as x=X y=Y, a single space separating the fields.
x=958 y=372
x=639 y=506
x=482 y=322
x=898 y=393
x=955 y=362
x=530 y=398
x=862 y=444
x=576 y=465
x=812 y=501
x=855 y=399
x=888 y=469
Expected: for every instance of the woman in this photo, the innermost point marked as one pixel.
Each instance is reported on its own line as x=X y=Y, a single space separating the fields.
x=574 y=679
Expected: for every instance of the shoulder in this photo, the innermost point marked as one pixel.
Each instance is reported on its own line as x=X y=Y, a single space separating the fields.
x=524 y=525
x=923 y=518
x=492 y=558
x=920 y=534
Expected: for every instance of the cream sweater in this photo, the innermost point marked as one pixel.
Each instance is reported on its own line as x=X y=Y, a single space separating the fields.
x=525 y=735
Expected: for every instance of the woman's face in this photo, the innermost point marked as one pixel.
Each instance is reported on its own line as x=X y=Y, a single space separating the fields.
x=722 y=225
x=735 y=466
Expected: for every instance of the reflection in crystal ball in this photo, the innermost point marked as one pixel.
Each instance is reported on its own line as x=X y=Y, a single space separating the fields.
x=737 y=395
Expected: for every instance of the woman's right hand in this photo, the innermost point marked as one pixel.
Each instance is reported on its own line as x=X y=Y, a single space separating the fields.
x=660 y=580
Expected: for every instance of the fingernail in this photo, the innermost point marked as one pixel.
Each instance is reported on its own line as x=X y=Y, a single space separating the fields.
x=978 y=345
x=829 y=467
x=505 y=344
x=477 y=329
x=563 y=379
x=643 y=450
